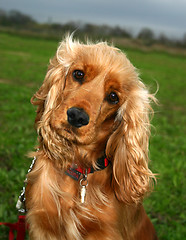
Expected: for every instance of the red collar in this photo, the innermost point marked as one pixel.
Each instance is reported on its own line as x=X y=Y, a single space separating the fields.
x=75 y=173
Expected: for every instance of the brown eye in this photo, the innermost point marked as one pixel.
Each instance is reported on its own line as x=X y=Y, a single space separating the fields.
x=78 y=75
x=113 y=98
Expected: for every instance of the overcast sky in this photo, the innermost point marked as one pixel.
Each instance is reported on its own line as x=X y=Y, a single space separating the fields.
x=163 y=16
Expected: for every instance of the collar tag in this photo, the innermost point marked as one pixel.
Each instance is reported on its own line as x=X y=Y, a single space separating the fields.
x=73 y=173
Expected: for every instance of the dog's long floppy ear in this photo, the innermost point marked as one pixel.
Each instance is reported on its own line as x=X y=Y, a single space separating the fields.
x=50 y=95
x=128 y=146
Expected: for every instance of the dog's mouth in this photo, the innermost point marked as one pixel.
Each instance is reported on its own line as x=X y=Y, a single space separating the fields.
x=71 y=133
x=79 y=136
x=67 y=130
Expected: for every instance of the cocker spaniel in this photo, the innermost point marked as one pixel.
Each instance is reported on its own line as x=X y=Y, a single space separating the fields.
x=91 y=171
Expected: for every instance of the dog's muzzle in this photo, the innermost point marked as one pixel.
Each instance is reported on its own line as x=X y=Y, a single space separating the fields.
x=77 y=117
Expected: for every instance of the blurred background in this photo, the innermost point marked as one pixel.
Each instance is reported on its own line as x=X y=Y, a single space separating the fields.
x=153 y=35
x=144 y=21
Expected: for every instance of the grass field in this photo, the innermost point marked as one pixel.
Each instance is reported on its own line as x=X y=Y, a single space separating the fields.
x=23 y=63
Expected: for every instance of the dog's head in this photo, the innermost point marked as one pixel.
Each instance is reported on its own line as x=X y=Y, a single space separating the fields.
x=93 y=100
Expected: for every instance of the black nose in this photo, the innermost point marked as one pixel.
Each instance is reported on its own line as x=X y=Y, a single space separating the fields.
x=77 y=117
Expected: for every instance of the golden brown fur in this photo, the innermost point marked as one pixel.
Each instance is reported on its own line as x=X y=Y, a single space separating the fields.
x=113 y=208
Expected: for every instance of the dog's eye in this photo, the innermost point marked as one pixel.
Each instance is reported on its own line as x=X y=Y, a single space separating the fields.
x=113 y=98
x=78 y=75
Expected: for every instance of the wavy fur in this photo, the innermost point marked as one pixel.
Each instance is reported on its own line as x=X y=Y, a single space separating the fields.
x=113 y=207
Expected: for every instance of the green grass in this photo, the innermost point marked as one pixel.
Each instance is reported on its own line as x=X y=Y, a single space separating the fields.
x=23 y=64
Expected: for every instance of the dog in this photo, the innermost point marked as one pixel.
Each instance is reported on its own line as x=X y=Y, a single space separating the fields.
x=91 y=171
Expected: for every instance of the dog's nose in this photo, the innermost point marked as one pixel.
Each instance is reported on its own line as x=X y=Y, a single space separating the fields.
x=77 y=117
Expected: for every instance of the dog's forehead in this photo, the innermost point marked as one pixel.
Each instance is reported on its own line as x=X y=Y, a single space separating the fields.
x=100 y=59
x=101 y=54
